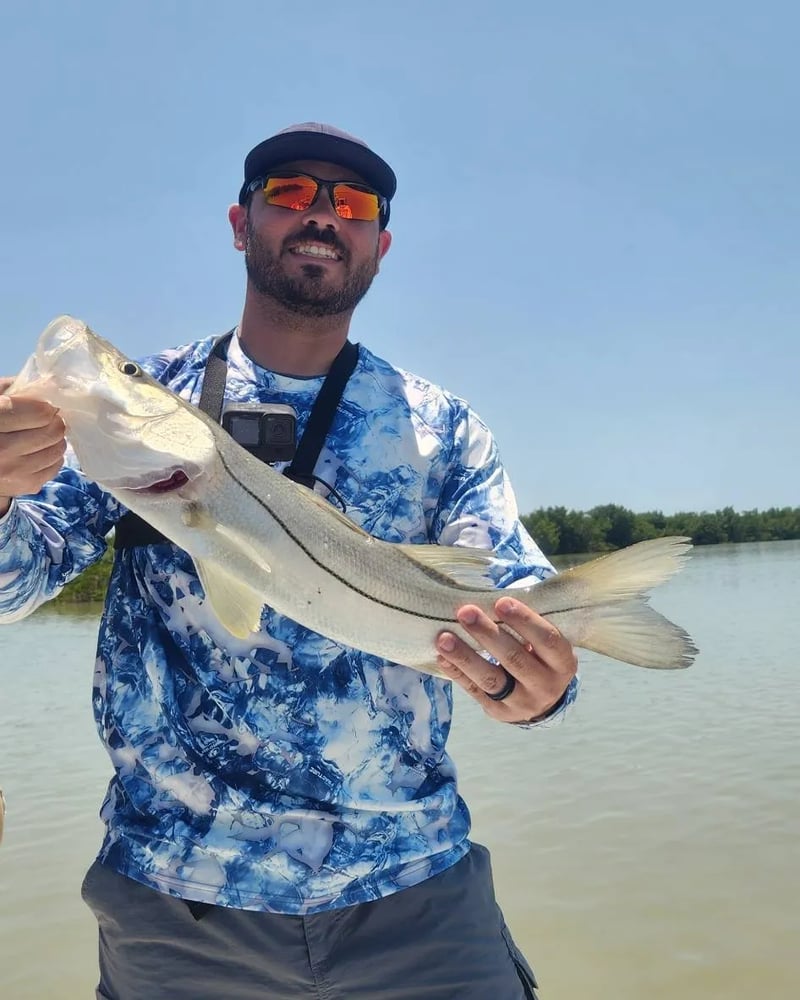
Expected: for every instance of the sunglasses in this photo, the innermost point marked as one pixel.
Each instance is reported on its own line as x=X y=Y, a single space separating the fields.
x=298 y=192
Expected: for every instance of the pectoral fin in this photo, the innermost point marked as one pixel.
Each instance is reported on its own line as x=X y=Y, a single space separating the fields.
x=236 y=604
x=195 y=515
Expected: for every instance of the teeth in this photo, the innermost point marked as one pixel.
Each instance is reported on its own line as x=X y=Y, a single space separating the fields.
x=315 y=250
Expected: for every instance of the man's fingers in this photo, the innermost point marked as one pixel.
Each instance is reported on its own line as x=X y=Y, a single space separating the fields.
x=491 y=679
x=32 y=443
x=505 y=648
x=46 y=459
x=18 y=413
x=468 y=668
x=528 y=649
x=30 y=440
x=28 y=473
x=548 y=644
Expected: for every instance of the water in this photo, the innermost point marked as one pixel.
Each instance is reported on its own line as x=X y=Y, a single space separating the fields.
x=645 y=849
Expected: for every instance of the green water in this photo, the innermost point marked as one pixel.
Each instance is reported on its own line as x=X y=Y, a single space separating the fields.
x=645 y=849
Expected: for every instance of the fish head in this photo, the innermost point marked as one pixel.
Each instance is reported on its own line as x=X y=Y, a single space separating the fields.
x=129 y=432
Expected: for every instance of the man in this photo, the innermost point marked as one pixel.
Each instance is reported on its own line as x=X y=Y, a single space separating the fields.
x=283 y=820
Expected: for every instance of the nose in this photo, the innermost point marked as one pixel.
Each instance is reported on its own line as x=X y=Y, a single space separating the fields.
x=322 y=213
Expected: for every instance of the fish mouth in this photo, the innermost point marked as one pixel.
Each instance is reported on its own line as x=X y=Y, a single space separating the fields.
x=154 y=485
x=173 y=482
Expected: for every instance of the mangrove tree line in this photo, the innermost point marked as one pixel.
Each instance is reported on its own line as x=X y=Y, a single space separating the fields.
x=566 y=532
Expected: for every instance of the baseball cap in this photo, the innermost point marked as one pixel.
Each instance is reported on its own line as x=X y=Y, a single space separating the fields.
x=314 y=141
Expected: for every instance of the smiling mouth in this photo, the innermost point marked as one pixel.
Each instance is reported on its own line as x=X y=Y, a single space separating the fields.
x=316 y=251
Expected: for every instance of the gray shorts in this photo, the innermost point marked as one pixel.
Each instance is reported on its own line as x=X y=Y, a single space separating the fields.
x=444 y=939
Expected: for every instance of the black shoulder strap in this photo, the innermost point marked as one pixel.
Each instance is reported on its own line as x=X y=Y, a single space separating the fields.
x=132 y=530
x=321 y=417
x=212 y=393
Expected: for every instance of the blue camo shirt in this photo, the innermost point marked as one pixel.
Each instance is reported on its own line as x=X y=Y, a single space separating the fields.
x=287 y=774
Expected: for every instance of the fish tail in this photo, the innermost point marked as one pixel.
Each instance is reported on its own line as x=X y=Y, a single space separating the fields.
x=630 y=631
x=601 y=605
x=632 y=571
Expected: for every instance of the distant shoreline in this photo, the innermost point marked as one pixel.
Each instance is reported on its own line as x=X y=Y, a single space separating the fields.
x=564 y=534
x=559 y=531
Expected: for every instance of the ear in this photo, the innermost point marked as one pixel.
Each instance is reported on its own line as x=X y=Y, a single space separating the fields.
x=237 y=216
x=384 y=242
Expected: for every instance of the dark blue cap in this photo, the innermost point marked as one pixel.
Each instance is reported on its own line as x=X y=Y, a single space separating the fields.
x=313 y=141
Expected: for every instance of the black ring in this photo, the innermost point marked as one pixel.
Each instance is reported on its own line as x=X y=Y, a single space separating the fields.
x=507 y=688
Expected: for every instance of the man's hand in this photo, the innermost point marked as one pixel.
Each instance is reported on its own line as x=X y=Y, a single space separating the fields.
x=31 y=445
x=541 y=665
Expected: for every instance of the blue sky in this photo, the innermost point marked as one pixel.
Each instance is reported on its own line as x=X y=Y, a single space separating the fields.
x=596 y=233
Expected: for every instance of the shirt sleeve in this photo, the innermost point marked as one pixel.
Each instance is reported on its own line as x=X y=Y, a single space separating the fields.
x=477 y=507
x=47 y=539
x=558 y=711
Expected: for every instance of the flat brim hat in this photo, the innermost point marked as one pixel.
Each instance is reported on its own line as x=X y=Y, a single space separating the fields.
x=313 y=141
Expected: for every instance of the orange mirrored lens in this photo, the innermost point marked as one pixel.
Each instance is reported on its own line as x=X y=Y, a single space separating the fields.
x=298 y=193
x=355 y=203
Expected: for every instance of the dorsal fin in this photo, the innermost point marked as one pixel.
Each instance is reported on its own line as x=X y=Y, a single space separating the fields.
x=458 y=565
x=466 y=568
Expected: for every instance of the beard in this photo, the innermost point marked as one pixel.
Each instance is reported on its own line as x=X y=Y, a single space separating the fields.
x=310 y=294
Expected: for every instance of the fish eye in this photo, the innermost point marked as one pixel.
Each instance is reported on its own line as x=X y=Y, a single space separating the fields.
x=130 y=368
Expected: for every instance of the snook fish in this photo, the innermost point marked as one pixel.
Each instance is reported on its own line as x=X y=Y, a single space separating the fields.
x=257 y=538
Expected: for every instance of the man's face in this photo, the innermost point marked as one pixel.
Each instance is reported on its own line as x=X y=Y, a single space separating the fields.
x=312 y=262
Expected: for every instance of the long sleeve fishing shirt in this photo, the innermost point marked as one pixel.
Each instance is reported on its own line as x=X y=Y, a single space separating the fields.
x=284 y=773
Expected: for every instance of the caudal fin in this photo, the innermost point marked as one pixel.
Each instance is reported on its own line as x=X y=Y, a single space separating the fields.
x=630 y=572
x=601 y=605
x=630 y=631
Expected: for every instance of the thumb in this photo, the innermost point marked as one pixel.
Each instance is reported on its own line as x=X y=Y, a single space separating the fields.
x=5 y=382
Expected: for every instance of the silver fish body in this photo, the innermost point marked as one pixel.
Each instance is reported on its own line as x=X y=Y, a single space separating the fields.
x=256 y=538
